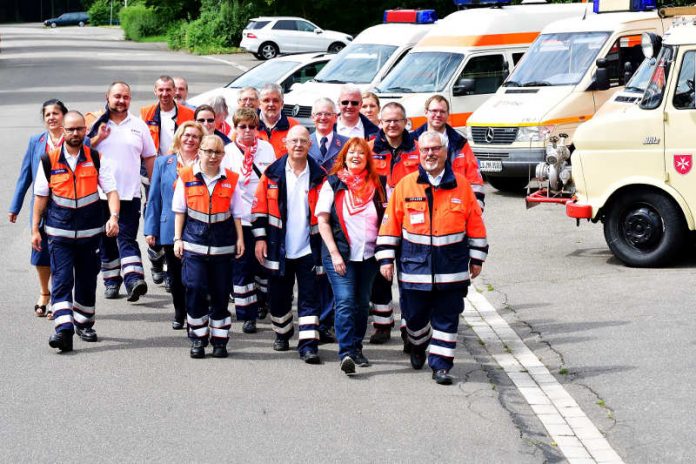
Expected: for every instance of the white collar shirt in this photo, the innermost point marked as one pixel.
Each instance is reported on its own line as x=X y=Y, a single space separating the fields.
x=356 y=131
x=297 y=220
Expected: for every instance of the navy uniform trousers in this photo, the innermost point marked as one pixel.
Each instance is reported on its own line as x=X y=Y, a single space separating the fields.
x=308 y=302
x=433 y=318
x=120 y=256
x=74 y=265
x=250 y=283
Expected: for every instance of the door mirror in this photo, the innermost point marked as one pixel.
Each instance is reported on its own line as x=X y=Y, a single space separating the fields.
x=628 y=71
x=318 y=31
x=464 y=86
x=601 y=75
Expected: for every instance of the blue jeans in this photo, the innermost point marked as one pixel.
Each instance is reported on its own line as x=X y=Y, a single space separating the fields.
x=352 y=296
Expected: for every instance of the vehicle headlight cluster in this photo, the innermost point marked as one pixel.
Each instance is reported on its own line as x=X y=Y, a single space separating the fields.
x=534 y=133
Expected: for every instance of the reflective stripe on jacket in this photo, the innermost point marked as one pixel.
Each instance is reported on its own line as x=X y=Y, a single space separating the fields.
x=209 y=228
x=151 y=115
x=74 y=210
x=432 y=232
x=270 y=213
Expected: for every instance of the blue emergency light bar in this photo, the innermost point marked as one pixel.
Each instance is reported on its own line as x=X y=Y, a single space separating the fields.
x=607 y=6
x=474 y=3
x=410 y=16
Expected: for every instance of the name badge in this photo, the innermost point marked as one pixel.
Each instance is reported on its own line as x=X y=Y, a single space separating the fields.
x=417 y=218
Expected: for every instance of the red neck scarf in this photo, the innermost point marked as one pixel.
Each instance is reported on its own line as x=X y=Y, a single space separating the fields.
x=248 y=162
x=360 y=190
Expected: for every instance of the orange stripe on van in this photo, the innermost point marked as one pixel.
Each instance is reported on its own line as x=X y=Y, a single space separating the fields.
x=454 y=120
x=487 y=40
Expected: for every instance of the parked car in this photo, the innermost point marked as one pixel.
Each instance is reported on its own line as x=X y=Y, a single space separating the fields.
x=78 y=18
x=284 y=71
x=267 y=37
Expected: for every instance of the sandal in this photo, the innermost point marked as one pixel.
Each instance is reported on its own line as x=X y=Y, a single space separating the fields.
x=40 y=310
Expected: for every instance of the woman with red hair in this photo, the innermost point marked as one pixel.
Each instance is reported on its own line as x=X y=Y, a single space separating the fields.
x=350 y=208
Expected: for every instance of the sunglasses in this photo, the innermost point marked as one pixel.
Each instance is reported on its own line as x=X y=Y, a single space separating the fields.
x=350 y=102
x=209 y=121
x=245 y=126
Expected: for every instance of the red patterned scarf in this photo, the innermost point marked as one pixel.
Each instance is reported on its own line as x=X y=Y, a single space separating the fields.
x=248 y=162
x=360 y=190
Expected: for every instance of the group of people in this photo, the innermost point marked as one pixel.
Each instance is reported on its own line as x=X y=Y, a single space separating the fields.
x=250 y=209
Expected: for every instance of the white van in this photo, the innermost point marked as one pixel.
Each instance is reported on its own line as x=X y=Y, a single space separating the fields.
x=466 y=56
x=365 y=62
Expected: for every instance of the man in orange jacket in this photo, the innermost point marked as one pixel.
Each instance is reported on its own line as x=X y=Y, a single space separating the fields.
x=273 y=124
x=433 y=225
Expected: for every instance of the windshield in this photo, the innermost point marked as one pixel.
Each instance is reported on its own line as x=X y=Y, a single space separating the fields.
x=422 y=72
x=270 y=71
x=639 y=80
x=656 y=87
x=358 y=63
x=557 y=59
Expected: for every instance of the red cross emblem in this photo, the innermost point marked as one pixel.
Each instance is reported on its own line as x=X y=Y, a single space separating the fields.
x=683 y=162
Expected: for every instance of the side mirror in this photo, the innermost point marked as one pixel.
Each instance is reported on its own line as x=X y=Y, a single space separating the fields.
x=601 y=75
x=464 y=86
x=318 y=31
x=628 y=72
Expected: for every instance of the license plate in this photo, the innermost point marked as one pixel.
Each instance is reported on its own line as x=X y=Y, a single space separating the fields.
x=491 y=166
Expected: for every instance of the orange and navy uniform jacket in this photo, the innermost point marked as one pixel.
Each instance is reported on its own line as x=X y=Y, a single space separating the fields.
x=270 y=211
x=395 y=163
x=209 y=227
x=74 y=210
x=276 y=135
x=151 y=115
x=432 y=233
x=337 y=221
x=462 y=159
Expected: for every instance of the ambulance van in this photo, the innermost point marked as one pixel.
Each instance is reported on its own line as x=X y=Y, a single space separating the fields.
x=467 y=55
x=633 y=169
x=364 y=62
x=572 y=68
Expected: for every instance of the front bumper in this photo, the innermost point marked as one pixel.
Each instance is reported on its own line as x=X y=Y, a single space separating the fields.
x=514 y=162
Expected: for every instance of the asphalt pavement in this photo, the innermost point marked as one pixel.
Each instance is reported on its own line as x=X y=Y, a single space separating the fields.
x=618 y=339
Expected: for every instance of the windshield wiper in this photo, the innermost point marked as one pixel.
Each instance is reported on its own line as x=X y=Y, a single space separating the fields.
x=398 y=89
x=330 y=81
x=536 y=84
x=511 y=84
x=634 y=89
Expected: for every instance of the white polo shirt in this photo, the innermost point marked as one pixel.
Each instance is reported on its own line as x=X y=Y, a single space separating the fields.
x=179 y=199
x=122 y=151
x=167 y=131
x=362 y=228
x=106 y=179
x=356 y=131
x=234 y=159
x=297 y=221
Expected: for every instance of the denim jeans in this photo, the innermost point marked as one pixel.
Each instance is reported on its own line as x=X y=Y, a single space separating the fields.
x=352 y=296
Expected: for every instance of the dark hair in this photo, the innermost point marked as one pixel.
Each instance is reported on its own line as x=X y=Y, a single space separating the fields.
x=203 y=108
x=54 y=102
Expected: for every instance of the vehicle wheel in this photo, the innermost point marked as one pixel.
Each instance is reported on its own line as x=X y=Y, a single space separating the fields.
x=53 y=24
x=336 y=47
x=268 y=50
x=508 y=184
x=644 y=229
x=81 y=24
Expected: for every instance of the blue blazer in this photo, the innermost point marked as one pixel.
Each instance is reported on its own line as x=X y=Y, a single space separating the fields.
x=27 y=172
x=159 y=217
x=336 y=146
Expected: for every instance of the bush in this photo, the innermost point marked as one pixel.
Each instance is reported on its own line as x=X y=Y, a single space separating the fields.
x=100 y=12
x=139 y=21
x=176 y=35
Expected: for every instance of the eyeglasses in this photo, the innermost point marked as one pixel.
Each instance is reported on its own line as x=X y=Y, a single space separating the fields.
x=246 y=126
x=324 y=115
x=248 y=99
x=435 y=149
x=211 y=152
x=387 y=122
x=350 y=102
x=74 y=129
x=298 y=141
x=437 y=111
x=203 y=121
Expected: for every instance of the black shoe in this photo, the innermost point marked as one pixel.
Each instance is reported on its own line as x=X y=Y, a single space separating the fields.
x=361 y=360
x=197 y=349
x=158 y=275
x=62 y=340
x=138 y=289
x=87 y=334
x=249 y=327
x=348 y=365
x=407 y=345
x=417 y=357
x=310 y=357
x=176 y=325
x=442 y=377
x=220 y=351
x=263 y=311
x=168 y=284
x=380 y=337
x=327 y=335
x=281 y=345
x=111 y=292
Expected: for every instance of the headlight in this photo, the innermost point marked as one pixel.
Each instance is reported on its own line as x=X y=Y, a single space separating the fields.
x=533 y=133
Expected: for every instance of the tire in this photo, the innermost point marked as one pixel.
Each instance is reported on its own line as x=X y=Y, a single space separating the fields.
x=268 y=50
x=53 y=24
x=508 y=184
x=336 y=47
x=644 y=229
x=81 y=24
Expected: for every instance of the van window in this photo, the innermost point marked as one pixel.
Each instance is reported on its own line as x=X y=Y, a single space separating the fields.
x=487 y=72
x=303 y=74
x=285 y=25
x=516 y=58
x=656 y=88
x=256 y=24
x=422 y=72
x=358 y=63
x=626 y=49
x=684 y=94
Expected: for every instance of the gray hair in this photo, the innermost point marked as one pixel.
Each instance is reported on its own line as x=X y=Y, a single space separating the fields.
x=323 y=101
x=219 y=105
x=431 y=134
x=395 y=105
x=249 y=89
x=350 y=88
x=271 y=88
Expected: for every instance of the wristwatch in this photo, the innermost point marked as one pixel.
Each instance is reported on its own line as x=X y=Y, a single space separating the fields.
x=115 y=215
